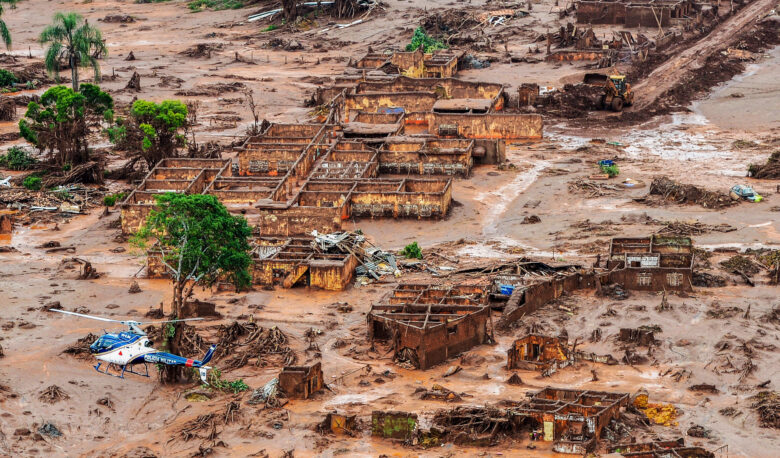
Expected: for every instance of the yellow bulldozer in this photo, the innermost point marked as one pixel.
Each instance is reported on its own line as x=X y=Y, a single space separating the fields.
x=617 y=92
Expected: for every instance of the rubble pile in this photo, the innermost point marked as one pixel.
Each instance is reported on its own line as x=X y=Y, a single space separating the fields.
x=240 y=342
x=767 y=405
x=770 y=170
x=81 y=348
x=672 y=191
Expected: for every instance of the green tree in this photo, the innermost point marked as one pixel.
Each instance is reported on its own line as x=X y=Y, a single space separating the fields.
x=5 y=34
x=73 y=41
x=156 y=130
x=63 y=119
x=199 y=242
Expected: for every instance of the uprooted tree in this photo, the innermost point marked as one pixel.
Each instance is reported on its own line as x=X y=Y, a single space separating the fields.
x=61 y=123
x=155 y=130
x=199 y=243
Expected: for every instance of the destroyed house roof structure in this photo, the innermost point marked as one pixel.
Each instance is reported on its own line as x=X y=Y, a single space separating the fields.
x=297 y=260
x=431 y=322
x=576 y=418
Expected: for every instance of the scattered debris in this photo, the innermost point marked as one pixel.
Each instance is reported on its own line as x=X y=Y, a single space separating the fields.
x=53 y=394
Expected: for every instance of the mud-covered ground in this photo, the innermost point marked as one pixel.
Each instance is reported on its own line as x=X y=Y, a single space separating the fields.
x=706 y=337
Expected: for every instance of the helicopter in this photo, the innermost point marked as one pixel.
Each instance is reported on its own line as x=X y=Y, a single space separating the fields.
x=124 y=350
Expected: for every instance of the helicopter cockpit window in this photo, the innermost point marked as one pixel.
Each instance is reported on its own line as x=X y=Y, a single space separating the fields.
x=100 y=345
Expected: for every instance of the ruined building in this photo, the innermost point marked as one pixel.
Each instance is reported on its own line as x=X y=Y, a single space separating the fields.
x=655 y=263
x=572 y=419
x=428 y=324
x=537 y=352
x=300 y=382
x=653 y=14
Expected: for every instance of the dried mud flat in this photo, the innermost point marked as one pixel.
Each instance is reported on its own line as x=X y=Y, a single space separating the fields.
x=725 y=337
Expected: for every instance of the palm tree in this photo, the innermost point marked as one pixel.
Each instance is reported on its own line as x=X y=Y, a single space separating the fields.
x=72 y=39
x=5 y=35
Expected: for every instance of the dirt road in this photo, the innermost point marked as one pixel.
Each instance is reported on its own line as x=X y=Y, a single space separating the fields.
x=673 y=70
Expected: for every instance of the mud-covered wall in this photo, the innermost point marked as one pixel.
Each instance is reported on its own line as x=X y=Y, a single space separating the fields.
x=654 y=279
x=481 y=126
x=438 y=344
x=298 y=221
x=133 y=216
x=301 y=382
x=527 y=300
x=409 y=101
x=332 y=275
x=629 y=15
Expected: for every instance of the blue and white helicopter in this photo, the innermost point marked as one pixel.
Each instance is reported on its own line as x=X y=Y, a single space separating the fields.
x=124 y=350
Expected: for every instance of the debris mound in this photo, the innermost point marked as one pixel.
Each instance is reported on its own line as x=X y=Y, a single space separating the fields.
x=693 y=228
x=473 y=425
x=671 y=190
x=769 y=171
x=53 y=394
x=81 y=348
x=767 y=404
x=117 y=19
x=48 y=429
x=212 y=90
x=592 y=188
x=704 y=279
x=201 y=50
x=134 y=288
x=246 y=341
x=7 y=109
x=741 y=265
x=515 y=380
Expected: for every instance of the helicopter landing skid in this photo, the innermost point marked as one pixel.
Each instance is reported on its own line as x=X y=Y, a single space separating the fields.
x=125 y=368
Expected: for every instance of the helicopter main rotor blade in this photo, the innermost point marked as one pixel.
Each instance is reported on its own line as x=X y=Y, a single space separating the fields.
x=169 y=321
x=85 y=316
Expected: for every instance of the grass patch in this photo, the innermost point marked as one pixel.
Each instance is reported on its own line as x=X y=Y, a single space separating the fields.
x=216 y=5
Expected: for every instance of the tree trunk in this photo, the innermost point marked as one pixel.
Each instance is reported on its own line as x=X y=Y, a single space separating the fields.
x=74 y=74
x=290 y=10
x=174 y=374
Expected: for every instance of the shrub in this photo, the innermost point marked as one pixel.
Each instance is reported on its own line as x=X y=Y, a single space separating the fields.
x=17 y=159
x=7 y=78
x=32 y=183
x=111 y=199
x=428 y=43
x=233 y=386
x=412 y=251
x=611 y=170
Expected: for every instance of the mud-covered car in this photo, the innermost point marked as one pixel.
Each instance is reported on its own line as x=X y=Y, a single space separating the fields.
x=745 y=192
